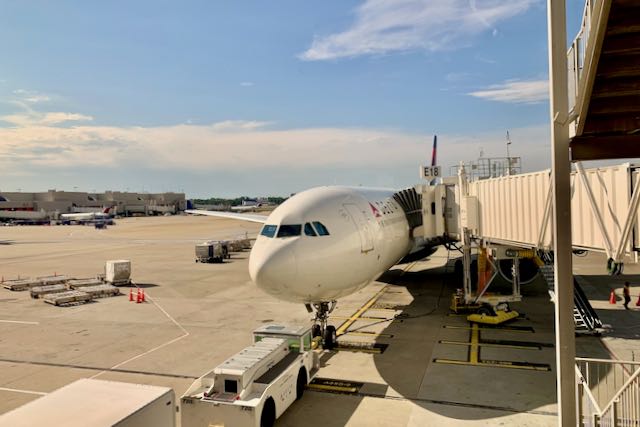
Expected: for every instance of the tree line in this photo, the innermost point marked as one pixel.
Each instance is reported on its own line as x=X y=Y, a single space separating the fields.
x=276 y=200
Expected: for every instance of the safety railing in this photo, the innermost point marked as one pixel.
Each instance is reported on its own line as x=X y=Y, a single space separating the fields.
x=608 y=393
x=582 y=58
x=576 y=53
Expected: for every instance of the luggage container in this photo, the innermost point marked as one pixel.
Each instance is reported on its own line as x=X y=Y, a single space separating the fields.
x=212 y=251
x=117 y=272
x=97 y=403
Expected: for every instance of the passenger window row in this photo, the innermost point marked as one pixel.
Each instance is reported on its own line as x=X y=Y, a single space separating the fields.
x=292 y=230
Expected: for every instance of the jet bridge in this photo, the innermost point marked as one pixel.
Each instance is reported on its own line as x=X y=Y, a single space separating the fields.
x=515 y=211
x=508 y=219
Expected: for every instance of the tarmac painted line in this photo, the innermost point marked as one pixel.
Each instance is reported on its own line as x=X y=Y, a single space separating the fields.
x=168 y=316
x=95 y=368
x=174 y=321
x=474 y=349
x=343 y=328
x=20 y=321
x=15 y=390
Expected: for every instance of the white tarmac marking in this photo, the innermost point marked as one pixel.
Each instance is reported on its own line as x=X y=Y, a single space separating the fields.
x=19 y=321
x=15 y=390
x=185 y=334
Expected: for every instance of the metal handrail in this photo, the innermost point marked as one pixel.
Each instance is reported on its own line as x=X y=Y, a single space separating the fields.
x=576 y=53
x=616 y=405
x=624 y=407
x=593 y=411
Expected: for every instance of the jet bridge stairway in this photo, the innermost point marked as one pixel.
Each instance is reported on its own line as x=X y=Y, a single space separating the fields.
x=585 y=317
x=604 y=81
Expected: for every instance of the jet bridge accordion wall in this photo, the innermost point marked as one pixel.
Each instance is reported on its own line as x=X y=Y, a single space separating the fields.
x=512 y=209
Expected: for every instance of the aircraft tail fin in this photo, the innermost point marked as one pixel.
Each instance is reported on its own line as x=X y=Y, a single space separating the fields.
x=434 y=151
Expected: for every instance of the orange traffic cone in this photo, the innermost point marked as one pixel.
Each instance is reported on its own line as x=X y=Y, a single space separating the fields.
x=612 y=298
x=139 y=297
x=130 y=294
x=143 y=299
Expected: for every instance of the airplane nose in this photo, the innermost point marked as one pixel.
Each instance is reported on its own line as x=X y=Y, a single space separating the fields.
x=274 y=270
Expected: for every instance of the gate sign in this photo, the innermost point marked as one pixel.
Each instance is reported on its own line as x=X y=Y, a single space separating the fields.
x=430 y=172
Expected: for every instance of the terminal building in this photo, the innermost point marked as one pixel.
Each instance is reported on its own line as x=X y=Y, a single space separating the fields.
x=52 y=203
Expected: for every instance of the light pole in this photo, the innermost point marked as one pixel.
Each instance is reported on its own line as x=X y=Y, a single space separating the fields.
x=508 y=156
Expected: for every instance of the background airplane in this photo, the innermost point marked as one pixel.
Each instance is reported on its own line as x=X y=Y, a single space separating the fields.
x=85 y=216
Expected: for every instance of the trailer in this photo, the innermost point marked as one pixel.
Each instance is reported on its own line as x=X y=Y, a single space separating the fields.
x=212 y=251
x=256 y=386
x=97 y=403
x=21 y=284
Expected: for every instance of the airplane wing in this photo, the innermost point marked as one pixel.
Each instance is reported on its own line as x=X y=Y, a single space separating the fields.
x=241 y=216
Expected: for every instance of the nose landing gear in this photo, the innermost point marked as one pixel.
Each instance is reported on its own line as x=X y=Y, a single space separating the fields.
x=320 y=327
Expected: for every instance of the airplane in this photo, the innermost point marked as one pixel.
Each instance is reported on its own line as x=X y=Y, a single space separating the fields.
x=246 y=208
x=328 y=242
x=85 y=216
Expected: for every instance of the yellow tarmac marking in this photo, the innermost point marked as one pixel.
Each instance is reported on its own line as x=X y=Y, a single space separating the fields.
x=343 y=328
x=361 y=318
x=496 y=364
x=501 y=328
x=482 y=344
x=474 y=349
x=474 y=352
x=332 y=388
x=368 y=334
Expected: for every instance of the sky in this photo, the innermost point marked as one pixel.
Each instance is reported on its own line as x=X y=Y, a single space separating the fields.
x=231 y=98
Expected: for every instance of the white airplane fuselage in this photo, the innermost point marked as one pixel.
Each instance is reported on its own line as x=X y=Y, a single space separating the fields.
x=85 y=216
x=366 y=234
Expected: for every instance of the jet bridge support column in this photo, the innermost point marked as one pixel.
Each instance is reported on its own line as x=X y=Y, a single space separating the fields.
x=561 y=169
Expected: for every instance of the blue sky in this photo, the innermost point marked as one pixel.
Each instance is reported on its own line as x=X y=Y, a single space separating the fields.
x=263 y=98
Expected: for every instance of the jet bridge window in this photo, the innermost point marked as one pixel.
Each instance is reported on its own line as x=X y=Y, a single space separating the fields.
x=322 y=230
x=269 y=230
x=289 y=230
x=308 y=230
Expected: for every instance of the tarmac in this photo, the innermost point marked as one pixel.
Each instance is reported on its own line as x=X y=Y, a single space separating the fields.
x=409 y=360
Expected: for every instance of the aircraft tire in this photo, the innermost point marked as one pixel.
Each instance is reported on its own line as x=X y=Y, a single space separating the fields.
x=315 y=331
x=330 y=337
x=301 y=383
x=268 y=417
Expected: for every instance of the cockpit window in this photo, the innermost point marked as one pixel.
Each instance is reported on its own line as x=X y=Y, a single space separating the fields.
x=322 y=230
x=289 y=230
x=269 y=230
x=308 y=230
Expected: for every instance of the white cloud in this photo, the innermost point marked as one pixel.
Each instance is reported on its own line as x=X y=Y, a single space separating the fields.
x=384 y=26
x=31 y=96
x=516 y=92
x=238 y=125
x=35 y=118
x=239 y=145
